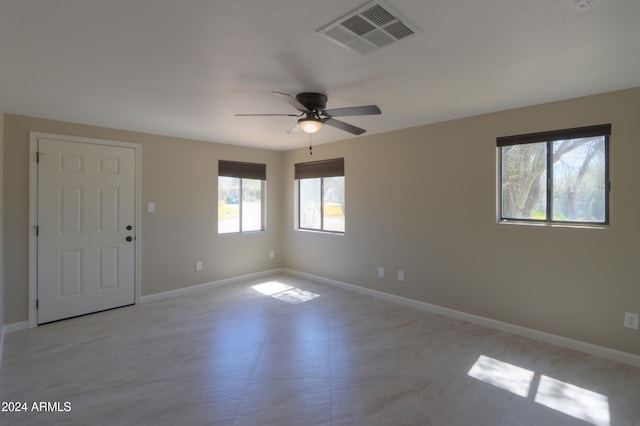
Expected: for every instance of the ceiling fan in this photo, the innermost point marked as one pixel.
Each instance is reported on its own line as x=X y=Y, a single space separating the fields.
x=313 y=113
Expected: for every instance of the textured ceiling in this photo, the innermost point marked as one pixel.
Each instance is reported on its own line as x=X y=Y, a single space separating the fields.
x=184 y=68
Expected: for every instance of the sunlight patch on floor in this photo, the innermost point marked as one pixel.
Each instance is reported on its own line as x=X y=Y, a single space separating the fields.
x=272 y=287
x=503 y=375
x=573 y=400
x=284 y=292
x=564 y=397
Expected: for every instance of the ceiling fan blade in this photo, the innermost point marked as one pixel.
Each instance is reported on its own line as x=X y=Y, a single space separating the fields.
x=357 y=110
x=294 y=129
x=344 y=126
x=291 y=101
x=266 y=115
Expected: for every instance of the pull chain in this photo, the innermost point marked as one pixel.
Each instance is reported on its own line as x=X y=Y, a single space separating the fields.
x=310 y=148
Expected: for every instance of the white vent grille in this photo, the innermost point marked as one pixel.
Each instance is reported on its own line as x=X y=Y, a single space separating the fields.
x=369 y=28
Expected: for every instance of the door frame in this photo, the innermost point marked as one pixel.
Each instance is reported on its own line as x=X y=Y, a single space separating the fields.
x=33 y=211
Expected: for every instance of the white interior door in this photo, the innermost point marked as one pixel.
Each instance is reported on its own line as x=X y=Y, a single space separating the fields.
x=86 y=236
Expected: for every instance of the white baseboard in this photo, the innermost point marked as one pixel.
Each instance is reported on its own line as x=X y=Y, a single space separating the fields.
x=564 y=342
x=16 y=326
x=213 y=284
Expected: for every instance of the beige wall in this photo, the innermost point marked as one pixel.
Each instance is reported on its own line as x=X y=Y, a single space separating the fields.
x=2 y=322
x=424 y=200
x=180 y=176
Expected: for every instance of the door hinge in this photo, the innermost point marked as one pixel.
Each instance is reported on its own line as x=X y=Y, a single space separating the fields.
x=38 y=154
x=37 y=303
x=37 y=228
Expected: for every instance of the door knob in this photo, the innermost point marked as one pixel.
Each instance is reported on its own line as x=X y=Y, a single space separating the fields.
x=129 y=238
x=129 y=227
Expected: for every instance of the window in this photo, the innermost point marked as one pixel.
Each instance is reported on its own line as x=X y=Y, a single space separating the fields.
x=240 y=196
x=555 y=177
x=321 y=195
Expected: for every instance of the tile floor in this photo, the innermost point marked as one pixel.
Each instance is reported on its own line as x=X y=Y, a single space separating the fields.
x=289 y=351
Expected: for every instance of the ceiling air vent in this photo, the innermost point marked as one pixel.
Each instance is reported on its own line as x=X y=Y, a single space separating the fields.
x=369 y=28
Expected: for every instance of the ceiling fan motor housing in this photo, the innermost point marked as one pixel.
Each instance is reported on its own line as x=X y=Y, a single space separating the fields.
x=313 y=101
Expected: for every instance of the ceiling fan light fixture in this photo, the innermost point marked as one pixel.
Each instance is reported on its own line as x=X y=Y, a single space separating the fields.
x=310 y=123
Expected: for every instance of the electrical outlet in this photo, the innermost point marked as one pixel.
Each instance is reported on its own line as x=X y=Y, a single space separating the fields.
x=400 y=275
x=631 y=320
x=380 y=272
x=272 y=254
x=198 y=266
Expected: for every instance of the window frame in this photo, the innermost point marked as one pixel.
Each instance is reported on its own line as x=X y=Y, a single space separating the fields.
x=318 y=170
x=549 y=137
x=241 y=171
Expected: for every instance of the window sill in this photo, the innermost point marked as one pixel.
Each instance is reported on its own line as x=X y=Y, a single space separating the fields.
x=317 y=231
x=553 y=225
x=241 y=233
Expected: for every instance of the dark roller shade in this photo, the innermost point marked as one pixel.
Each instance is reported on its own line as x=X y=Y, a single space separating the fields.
x=323 y=168
x=242 y=170
x=556 y=135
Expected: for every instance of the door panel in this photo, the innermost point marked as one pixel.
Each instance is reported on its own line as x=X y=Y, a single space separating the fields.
x=108 y=268
x=70 y=203
x=108 y=209
x=86 y=200
x=70 y=269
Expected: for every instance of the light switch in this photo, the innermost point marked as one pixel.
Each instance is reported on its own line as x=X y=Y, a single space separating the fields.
x=151 y=207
